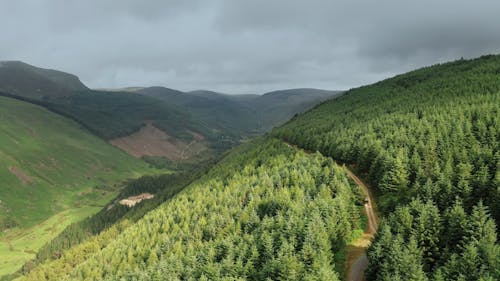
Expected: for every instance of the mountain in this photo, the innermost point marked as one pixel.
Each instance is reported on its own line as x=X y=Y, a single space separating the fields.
x=242 y=114
x=215 y=110
x=275 y=108
x=426 y=142
x=32 y=82
x=52 y=173
x=112 y=115
x=156 y=122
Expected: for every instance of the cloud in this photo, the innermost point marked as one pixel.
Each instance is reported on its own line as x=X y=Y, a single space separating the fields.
x=239 y=46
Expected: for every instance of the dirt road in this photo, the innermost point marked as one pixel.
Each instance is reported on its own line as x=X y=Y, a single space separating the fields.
x=357 y=261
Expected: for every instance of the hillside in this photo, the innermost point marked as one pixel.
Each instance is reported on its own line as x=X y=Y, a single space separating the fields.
x=52 y=173
x=214 y=110
x=241 y=115
x=266 y=210
x=32 y=82
x=429 y=140
x=275 y=108
x=159 y=124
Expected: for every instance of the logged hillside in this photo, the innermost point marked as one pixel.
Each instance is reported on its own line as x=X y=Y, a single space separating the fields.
x=266 y=211
x=52 y=172
x=429 y=140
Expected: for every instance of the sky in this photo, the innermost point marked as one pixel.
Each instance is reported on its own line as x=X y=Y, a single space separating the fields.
x=244 y=46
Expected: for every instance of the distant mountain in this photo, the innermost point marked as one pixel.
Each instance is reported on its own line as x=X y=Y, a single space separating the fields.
x=32 y=82
x=427 y=142
x=110 y=114
x=242 y=114
x=173 y=124
x=277 y=107
x=215 y=110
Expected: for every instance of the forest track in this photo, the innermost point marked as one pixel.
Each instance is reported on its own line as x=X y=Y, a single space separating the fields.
x=356 y=259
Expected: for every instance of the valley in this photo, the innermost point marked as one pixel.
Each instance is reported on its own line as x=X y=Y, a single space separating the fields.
x=280 y=205
x=52 y=174
x=249 y=140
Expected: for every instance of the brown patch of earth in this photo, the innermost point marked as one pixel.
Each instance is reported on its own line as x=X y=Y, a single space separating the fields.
x=151 y=141
x=23 y=178
x=132 y=200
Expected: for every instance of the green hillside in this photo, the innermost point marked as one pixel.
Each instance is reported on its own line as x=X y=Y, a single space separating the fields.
x=215 y=110
x=429 y=140
x=266 y=210
x=276 y=108
x=244 y=115
x=52 y=173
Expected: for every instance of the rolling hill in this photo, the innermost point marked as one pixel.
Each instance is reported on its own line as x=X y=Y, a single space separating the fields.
x=279 y=207
x=52 y=173
x=156 y=122
x=32 y=82
x=242 y=115
x=215 y=110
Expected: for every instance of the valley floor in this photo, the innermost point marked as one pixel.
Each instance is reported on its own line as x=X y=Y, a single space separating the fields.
x=17 y=246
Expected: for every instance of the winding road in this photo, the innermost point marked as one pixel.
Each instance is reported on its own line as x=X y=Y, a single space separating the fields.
x=357 y=261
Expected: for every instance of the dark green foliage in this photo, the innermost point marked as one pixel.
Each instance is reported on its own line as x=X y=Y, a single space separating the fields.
x=115 y=114
x=429 y=141
x=241 y=115
x=8 y=222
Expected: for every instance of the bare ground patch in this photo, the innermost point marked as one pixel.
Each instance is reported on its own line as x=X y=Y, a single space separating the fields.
x=151 y=141
x=132 y=200
x=23 y=178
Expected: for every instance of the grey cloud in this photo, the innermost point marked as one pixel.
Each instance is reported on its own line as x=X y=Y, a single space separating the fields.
x=244 y=46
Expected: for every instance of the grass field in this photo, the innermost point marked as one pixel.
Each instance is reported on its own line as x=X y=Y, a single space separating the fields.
x=19 y=245
x=52 y=173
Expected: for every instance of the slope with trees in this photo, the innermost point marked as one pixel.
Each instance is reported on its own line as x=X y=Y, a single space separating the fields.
x=429 y=141
x=265 y=211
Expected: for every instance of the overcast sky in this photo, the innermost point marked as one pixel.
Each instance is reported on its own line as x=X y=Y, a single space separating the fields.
x=250 y=46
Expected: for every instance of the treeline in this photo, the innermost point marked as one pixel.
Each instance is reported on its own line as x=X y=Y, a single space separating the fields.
x=267 y=211
x=429 y=141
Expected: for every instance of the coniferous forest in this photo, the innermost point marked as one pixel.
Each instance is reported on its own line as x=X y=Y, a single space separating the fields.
x=429 y=140
x=280 y=207
x=266 y=211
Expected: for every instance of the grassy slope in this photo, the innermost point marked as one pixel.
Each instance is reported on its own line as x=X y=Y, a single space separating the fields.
x=68 y=172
